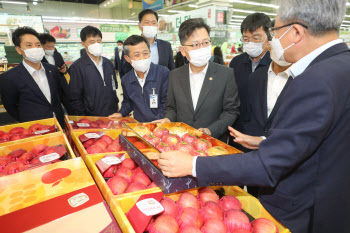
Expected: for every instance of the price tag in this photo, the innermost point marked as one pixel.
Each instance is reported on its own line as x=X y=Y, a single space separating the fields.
x=41 y=131
x=83 y=124
x=150 y=207
x=92 y=135
x=111 y=160
x=49 y=157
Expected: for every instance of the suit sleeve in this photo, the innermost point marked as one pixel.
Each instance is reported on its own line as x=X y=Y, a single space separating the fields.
x=63 y=89
x=76 y=91
x=163 y=94
x=232 y=63
x=116 y=54
x=230 y=108
x=170 y=109
x=171 y=63
x=9 y=96
x=127 y=105
x=300 y=126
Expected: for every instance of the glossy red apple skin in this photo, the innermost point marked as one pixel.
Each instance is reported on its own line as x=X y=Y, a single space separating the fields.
x=184 y=146
x=163 y=147
x=153 y=140
x=171 y=139
x=190 y=138
x=160 y=132
x=198 y=153
x=202 y=144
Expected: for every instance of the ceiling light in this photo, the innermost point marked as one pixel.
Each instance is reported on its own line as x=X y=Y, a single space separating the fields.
x=192 y=5
x=11 y=2
x=35 y=3
x=251 y=12
x=108 y=3
x=28 y=9
x=238 y=16
x=161 y=15
x=254 y=3
x=236 y=20
x=174 y=11
x=104 y=5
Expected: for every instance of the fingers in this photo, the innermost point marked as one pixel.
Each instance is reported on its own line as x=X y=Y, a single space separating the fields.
x=234 y=133
x=157 y=121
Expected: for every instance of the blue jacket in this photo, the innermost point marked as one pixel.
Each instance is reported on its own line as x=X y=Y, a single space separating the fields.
x=23 y=99
x=138 y=100
x=121 y=65
x=89 y=94
x=303 y=165
x=242 y=67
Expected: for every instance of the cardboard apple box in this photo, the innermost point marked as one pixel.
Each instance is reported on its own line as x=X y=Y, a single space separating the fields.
x=26 y=125
x=101 y=182
x=251 y=205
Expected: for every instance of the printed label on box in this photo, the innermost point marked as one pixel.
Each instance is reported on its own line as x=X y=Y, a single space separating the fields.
x=92 y=135
x=83 y=124
x=49 y=157
x=78 y=200
x=70 y=122
x=111 y=160
x=41 y=131
x=150 y=207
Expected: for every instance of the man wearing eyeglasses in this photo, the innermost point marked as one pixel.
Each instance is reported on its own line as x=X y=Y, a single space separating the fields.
x=255 y=39
x=202 y=94
x=302 y=166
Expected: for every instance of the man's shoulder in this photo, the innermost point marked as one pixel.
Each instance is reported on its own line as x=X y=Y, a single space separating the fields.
x=163 y=43
x=180 y=70
x=107 y=61
x=77 y=63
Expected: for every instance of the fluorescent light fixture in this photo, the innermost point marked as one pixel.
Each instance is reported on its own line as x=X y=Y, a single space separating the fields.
x=104 y=5
x=251 y=12
x=236 y=20
x=238 y=24
x=174 y=11
x=192 y=5
x=87 y=20
x=11 y=2
x=344 y=21
x=238 y=16
x=161 y=15
x=35 y=3
x=254 y=3
x=348 y=3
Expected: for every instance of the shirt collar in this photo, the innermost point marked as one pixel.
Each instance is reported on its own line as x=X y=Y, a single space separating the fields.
x=204 y=71
x=30 y=69
x=300 y=66
x=251 y=59
x=146 y=73
x=286 y=72
x=99 y=64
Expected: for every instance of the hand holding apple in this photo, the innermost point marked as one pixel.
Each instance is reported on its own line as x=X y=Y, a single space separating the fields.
x=175 y=163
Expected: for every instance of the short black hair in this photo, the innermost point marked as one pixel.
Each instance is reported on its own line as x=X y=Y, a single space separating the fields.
x=89 y=31
x=120 y=41
x=254 y=21
x=46 y=38
x=19 y=32
x=146 y=12
x=217 y=51
x=189 y=26
x=134 y=40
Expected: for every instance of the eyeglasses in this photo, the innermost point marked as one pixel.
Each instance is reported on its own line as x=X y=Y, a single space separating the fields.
x=197 y=45
x=272 y=30
x=255 y=39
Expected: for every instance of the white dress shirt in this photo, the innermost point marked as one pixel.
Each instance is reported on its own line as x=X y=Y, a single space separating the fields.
x=40 y=78
x=50 y=59
x=120 y=54
x=142 y=81
x=275 y=85
x=196 y=83
x=295 y=70
x=99 y=67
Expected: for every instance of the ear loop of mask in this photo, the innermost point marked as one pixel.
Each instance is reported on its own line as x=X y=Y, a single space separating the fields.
x=283 y=36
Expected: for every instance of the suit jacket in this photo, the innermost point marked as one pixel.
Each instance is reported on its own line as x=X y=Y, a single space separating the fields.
x=242 y=67
x=256 y=122
x=24 y=100
x=90 y=95
x=121 y=65
x=217 y=106
x=303 y=165
x=165 y=52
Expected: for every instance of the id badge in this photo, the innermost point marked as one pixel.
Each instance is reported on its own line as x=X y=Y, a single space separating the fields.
x=113 y=83
x=153 y=100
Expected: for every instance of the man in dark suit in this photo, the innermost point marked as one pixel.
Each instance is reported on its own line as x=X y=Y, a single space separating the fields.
x=202 y=94
x=161 y=51
x=53 y=57
x=255 y=37
x=93 y=83
x=303 y=165
x=32 y=90
x=120 y=64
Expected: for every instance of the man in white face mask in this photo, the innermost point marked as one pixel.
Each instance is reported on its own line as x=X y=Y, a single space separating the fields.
x=161 y=51
x=32 y=90
x=145 y=86
x=121 y=65
x=202 y=94
x=93 y=82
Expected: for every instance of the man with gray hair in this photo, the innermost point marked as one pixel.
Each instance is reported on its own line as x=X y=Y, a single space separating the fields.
x=302 y=166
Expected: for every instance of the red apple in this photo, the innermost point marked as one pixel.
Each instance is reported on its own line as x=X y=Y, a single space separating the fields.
x=198 y=153
x=202 y=144
x=103 y=144
x=171 y=139
x=16 y=130
x=163 y=147
x=160 y=132
x=107 y=139
x=84 y=120
x=190 y=138
x=263 y=225
x=140 y=145
x=94 y=149
x=217 y=150
x=27 y=132
x=153 y=140
x=184 y=146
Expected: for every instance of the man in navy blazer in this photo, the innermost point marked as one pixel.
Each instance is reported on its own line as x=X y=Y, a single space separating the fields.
x=303 y=165
x=120 y=64
x=32 y=90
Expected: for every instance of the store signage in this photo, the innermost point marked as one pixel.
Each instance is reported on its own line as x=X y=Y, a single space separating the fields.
x=220 y=17
x=114 y=28
x=181 y=19
x=153 y=4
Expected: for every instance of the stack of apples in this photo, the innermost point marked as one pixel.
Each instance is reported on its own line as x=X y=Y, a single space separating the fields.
x=21 y=160
x=18 y=133
x=103 y=144
x=164 y=141
x=206 y=213
x=127 y=177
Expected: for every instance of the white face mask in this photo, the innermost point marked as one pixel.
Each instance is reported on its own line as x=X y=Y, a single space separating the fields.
x=277 y=46
x=96 y=49
x=120 y=47
x=200 y=57
x=276 y=60
x=149 y=31
x=49 y=52
x=141 y=65
x=34 y=55
x=254 y=49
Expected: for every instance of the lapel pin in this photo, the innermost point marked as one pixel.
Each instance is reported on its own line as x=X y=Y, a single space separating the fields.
x=210 y=78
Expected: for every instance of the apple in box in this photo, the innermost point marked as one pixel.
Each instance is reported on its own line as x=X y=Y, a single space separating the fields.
x=160 y=132
x=263 y=225
x=198 y=153
x=163 y=147
x=183 y=146
x=202 y=144
x=153 y=140
x=103 y=164
x=217 y=150
x=190 y=138
x=171 y=139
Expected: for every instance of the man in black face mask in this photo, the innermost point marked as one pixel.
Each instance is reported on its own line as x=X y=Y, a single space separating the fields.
x=31 y=90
